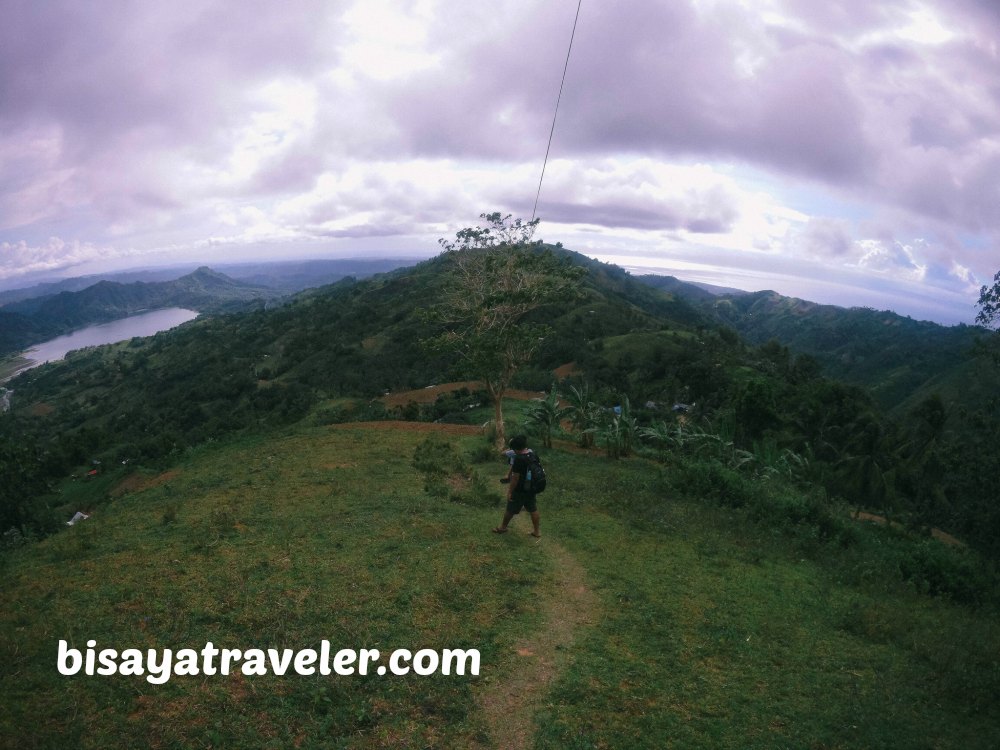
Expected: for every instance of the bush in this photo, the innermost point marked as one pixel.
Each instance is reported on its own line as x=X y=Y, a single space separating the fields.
x=332 y=415
x=789 y=507
x=532 y=379
x=712 y=481
x=482 y=453
x=478 y=493
x=769 y=502
x=936 y=568
x=436 y=456
x=448 y=475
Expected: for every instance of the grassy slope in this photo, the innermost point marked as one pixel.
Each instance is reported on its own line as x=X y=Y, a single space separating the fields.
x=707 y=631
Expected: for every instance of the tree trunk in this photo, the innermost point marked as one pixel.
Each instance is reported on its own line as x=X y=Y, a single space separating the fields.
x=501 y=432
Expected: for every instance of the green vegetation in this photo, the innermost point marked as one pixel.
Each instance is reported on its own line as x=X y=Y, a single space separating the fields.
x=498 y=278
x=900 y=361
x=273 y=478
x=328 y=354
x=989 y=303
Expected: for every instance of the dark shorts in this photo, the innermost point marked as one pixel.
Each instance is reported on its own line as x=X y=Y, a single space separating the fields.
x=520 y=500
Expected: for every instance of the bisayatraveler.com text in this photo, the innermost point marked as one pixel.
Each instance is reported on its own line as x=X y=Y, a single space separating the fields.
x=159 y=665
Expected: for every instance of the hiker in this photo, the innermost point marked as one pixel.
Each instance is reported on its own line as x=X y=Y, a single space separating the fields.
x=517 y=496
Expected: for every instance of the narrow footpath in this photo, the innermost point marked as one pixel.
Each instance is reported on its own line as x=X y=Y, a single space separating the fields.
x=508 y=705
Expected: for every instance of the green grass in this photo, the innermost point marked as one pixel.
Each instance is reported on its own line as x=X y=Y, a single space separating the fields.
x=270 y=544
x=712 y=630
x=723 y=633
x=639 y=344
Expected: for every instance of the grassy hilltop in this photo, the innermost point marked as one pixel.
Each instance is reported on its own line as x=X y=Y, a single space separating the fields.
x=658 y=619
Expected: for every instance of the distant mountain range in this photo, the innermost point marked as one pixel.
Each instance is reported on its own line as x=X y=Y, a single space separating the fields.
x=286 y=277
x=748 y=364
x=30 y=321
x=690 y=290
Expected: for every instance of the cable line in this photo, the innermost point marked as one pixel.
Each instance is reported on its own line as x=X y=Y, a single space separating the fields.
x=556 y=113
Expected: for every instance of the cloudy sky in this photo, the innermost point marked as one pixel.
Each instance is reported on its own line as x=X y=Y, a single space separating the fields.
x=846 y=152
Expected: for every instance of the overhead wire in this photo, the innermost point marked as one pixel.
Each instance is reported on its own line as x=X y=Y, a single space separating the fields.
x=555 y=114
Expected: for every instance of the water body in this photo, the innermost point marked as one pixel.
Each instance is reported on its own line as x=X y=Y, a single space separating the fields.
x=144 y=324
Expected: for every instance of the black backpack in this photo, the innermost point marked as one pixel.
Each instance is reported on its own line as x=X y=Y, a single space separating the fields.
x=534 y=478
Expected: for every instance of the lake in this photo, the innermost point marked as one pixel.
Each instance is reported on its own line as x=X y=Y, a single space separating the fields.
x=144 y=324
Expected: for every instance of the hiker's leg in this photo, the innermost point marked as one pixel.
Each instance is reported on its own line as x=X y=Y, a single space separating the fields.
x=535 y=521
x=506 y=519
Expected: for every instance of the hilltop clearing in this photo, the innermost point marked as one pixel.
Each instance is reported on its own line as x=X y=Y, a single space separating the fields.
x=653 y=612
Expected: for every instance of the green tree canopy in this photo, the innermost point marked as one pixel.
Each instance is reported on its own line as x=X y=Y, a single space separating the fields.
x=499 y=277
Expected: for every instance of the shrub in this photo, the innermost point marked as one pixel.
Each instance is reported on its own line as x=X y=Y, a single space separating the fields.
x=478 y=493
x=169 y=514
x=436 y=456
x=712 y=481
x=482 y=453
x=936 y=568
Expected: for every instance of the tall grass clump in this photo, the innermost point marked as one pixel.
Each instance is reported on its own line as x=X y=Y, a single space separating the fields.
x=448 y=475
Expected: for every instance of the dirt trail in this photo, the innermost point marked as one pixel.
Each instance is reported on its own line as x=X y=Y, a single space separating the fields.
x=508 y=705
x=400 y=426
x=429 y=394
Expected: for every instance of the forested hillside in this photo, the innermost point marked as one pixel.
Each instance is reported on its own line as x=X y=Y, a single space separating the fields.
x=330 y=353
x=900 y=361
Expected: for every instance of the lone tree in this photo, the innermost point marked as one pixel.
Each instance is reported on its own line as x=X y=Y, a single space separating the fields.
x=499 y=277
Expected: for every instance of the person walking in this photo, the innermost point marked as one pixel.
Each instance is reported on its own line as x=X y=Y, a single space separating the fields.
x=518 y=494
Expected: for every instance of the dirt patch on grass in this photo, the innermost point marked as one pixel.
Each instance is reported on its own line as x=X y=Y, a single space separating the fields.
x=444 y=429
x=525 y=395
x=941 y=536
x=566 y=371
x=429 y=394
x=861 y=515
x=568 y=604
x=139 y=482
x=41 y=409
